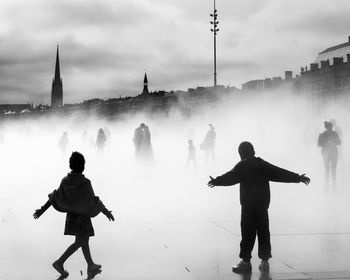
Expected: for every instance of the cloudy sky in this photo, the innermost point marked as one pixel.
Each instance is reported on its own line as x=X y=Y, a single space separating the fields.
x=106 y=45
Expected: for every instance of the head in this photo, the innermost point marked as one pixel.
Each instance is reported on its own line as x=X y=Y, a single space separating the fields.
x=190 y=142
x=334 y=122
x=211 y=126
x=100 y=131
x=77 y=162
x=142 y=125
x=246 y=150
x=328 y=125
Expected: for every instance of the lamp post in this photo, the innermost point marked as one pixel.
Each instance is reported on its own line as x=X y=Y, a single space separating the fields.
x=215 y=30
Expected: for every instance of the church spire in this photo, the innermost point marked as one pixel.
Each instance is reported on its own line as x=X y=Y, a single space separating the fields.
x=57 y=88
x=57 y=68
x=145 y=85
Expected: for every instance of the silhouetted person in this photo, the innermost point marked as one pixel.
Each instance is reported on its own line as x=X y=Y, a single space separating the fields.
x=208 y=144
x=63 y=143
x=191 y=153
x=142 y=142
x=76 y=197
x=254 y=175
x=101 y=141
x=328 y=141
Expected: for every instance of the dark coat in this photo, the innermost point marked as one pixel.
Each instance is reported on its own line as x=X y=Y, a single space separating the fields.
x=254 y=175
x=75 y=195
x=328 y=141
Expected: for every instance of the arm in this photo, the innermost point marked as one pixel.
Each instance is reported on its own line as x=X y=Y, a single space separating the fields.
x=278 y=174
x=108 y=214
x=39 y=212
x=228 y=179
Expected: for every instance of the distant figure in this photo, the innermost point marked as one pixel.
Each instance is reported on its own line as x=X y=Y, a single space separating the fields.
x=76 y=197
x=63 y=143
x=101 y=141
x=142 y=142
x=328 y=141
x=254 y=175
x=208 y=144
x=191 y=154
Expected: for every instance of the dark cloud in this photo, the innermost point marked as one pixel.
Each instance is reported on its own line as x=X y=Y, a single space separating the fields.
x=106 y=45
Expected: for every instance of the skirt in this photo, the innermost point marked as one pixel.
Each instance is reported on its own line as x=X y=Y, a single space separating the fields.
x=78 y=225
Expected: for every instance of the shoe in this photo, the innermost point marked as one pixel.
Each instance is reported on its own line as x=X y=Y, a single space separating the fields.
x=94 y=267
x=264 y=266
x=242 y=267
x=59 y=267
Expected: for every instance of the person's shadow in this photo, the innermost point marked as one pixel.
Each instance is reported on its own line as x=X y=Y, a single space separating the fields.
x=90 y=276
x=263 y=276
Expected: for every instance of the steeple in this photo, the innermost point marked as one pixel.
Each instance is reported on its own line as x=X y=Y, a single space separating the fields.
x=57 y=68
x=145 y=85
x=57 y=89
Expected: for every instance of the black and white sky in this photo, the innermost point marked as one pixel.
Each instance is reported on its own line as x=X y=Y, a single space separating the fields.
x=106 y=45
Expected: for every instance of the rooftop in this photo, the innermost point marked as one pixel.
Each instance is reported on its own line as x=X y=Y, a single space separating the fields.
x=340 y=50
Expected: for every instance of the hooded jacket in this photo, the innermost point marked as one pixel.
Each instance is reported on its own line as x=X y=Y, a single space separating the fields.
x=254 y=175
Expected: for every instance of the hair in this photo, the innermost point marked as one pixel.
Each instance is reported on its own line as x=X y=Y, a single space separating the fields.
x=328 y=125
x=77 y=162
x=246 y=150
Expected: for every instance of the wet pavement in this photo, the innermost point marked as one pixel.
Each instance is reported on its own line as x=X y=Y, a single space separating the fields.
x=179 y=236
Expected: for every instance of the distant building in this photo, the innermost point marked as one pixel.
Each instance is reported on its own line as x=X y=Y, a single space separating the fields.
x=145 y=85
x=57 y=89
x=329 y=74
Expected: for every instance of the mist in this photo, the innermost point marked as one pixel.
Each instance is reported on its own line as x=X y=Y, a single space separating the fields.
x=165 y=204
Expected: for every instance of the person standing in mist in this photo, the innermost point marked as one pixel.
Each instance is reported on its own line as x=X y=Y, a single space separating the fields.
x=208 y=144
x=142 y=142
x=76 y=197
x=101 y=141
x=191 y=154
x=329 y=141
x=63 y=143
x=254 y=175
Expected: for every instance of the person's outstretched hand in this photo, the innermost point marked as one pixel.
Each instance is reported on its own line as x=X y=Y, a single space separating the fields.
x=212 y=182
x=304 y=179
x=109 y=215
x=38 y=213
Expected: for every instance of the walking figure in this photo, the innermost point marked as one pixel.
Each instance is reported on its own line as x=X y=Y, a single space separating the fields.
x=63 y=143
x=329 y=141
x=101 y=141
x=191 y=153
x=254 y=175
x=208 y=144
x=76 y=197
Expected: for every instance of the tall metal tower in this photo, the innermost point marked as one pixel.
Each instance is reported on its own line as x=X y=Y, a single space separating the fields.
x=215 y=30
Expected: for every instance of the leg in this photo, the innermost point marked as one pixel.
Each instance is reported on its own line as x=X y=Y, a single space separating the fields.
x=69 y=251
x=248 y=230
x=86 y=250
x=264 y=251
x=326 y=169
x=92 y=267
x=58 y=265
x=333 y=166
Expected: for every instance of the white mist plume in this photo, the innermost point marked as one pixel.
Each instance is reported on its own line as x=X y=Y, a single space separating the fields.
x=282 y=127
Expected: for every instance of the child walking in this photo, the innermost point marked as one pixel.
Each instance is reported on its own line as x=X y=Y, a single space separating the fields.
x=76 y=197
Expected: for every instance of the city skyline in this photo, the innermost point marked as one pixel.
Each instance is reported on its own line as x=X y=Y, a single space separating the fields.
x=105 y=47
